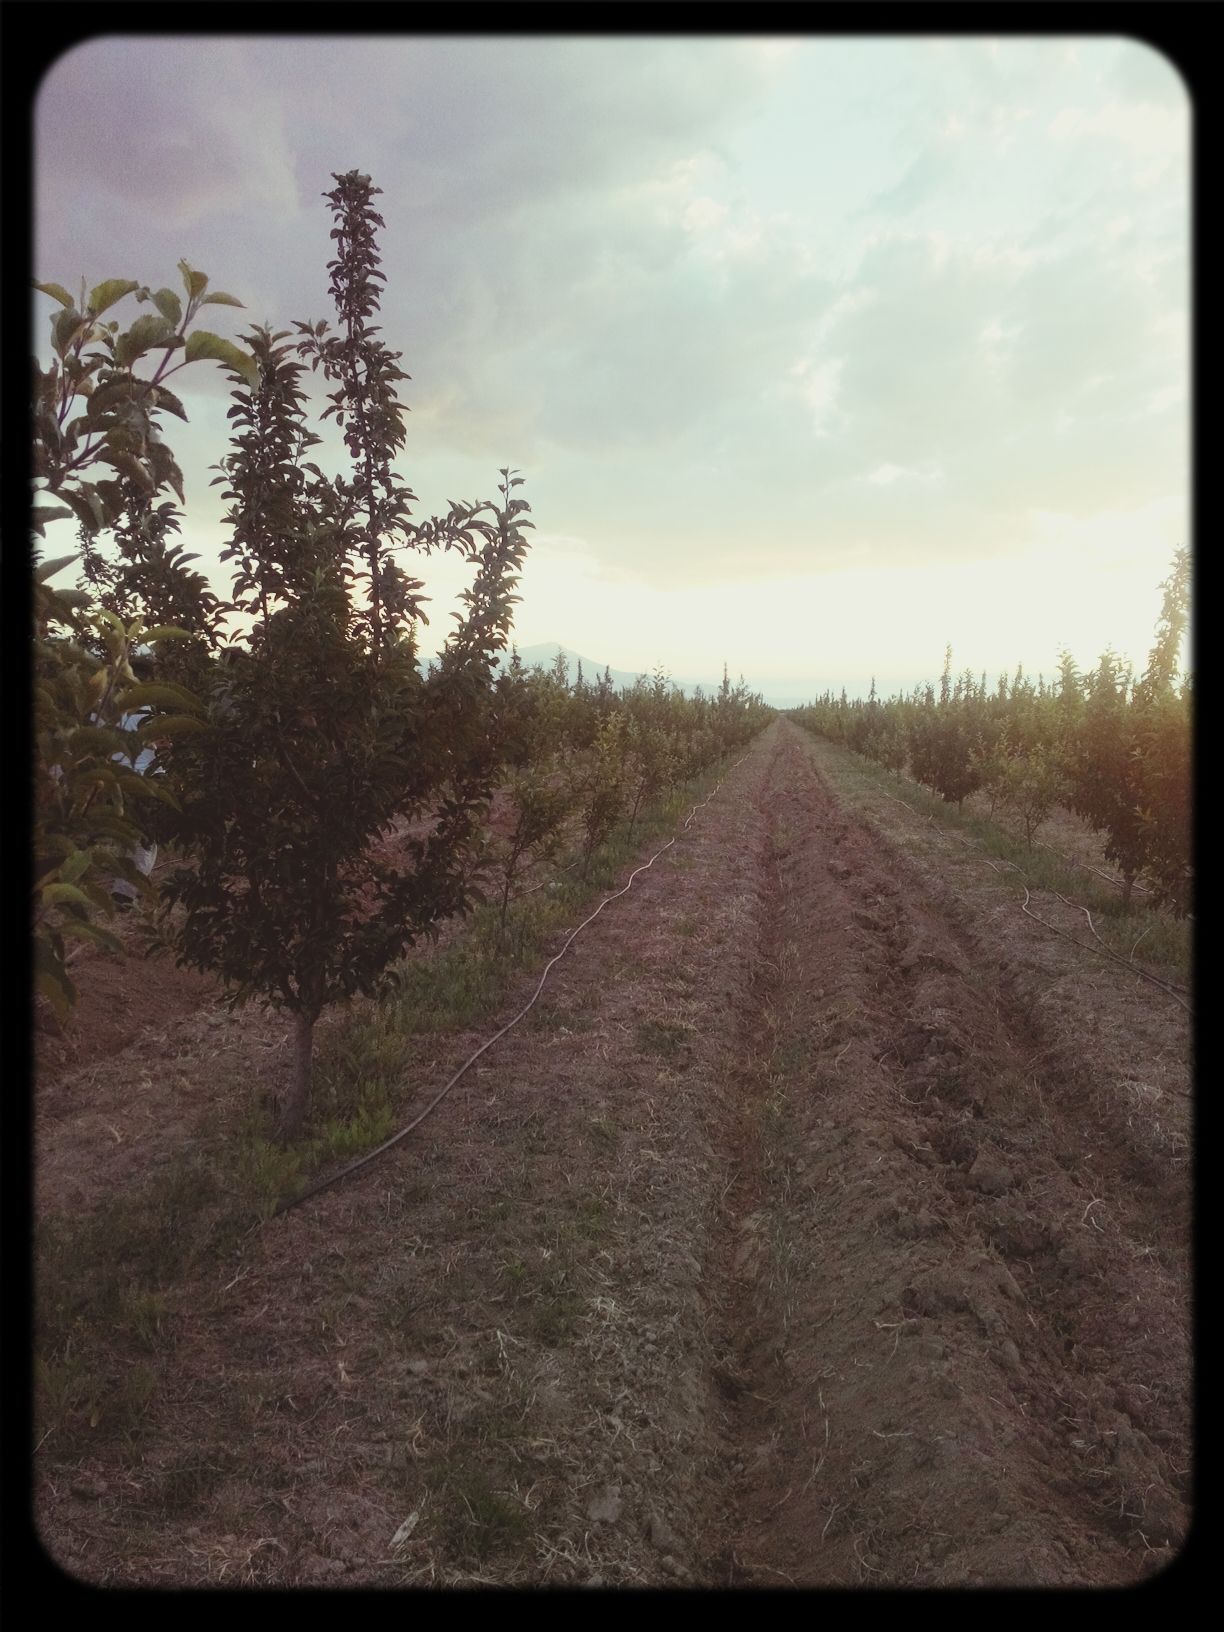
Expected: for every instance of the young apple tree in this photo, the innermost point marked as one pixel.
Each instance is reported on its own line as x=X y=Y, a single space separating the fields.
x=98 y=454
x=323 y=732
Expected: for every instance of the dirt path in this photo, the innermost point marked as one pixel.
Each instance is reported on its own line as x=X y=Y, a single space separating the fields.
x=785 y=1241
x=961 y=1298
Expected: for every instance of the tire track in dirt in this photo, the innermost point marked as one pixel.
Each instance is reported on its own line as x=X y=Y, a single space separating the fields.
x=956 y=1356
x=748 y=1345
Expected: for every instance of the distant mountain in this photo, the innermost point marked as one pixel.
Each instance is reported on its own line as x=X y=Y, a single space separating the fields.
x=545 y=655
x=782 y=694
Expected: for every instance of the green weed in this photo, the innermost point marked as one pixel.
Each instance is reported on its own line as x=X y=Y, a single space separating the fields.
x=669 y=1040
x=477 y=1520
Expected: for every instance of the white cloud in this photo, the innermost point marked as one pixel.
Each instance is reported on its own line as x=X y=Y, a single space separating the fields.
x=996 y=345
x=774 y=49
x=928 y=475
x=703 y=214
x=1011 y=258
x=1152 y=129
x=1005 y=125
x=641 y=270
x=743 y=239
x=1149 y=264
x=846 y=305
x=184 y=145
x=1151 y=175
x=1169 y=396
x=1169 y=327
x=818 y=388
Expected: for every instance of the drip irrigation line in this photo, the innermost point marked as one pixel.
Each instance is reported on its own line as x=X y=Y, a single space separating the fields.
x=532 y=888
x=1072 y=861
x=1118 y=883
x=396 y=1138
x=1171 y=987
x=903 y=804
x=1102 y=950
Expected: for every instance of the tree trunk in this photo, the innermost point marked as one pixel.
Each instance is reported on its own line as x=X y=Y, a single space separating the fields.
x=505 y=901
x=1128 y=884
x=294 y=1114
x=512 y=863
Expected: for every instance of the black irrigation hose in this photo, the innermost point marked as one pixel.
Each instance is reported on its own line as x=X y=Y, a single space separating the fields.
x=371 y=1155
x=1102 y=951
x=1118 y=883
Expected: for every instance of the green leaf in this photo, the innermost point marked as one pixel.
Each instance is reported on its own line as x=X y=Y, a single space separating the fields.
x=165 y=631
x=165 y=469
x=153 y=787
x=48 y=569
x=106 y=294
x=55 y=290
x=80 y=929
x=65 y=327
x=114 y=393
x=144 y=335
x=130 y=466
x=61 y=892
x=58 y=991
x=122 y=437
x=75 y=866
x=202 y=345
x=173 y=725
x=194 y=282
x=87 y=508
x=160 y=397
x=96 y=739
x=221 y=300
x=158 y=694
x=169 y=305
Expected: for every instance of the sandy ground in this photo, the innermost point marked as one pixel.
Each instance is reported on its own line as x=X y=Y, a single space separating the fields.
x=825 y=1223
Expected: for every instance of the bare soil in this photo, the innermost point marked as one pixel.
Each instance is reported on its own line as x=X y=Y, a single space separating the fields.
x=825 y=1223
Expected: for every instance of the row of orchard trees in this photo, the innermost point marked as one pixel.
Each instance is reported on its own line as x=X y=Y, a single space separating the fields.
x=1112 y=746
x=293 y=723
x=588 y=757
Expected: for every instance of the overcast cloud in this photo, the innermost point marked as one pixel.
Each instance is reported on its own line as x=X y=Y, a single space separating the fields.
x=777 y=326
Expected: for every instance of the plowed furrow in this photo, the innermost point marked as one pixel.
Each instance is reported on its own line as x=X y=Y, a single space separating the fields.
x=951 y=1366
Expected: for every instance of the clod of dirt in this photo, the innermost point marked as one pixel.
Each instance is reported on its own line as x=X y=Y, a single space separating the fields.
x=607 y=1507
x=989 y=1175
x=661 y=1535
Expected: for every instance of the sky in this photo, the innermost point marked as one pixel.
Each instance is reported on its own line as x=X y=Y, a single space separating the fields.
x=816 y=354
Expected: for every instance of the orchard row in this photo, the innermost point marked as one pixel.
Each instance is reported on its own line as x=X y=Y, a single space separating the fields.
x=1113 y=747
x=294 y=726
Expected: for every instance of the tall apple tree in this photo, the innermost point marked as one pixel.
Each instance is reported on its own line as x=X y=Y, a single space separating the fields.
x=322 y=731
